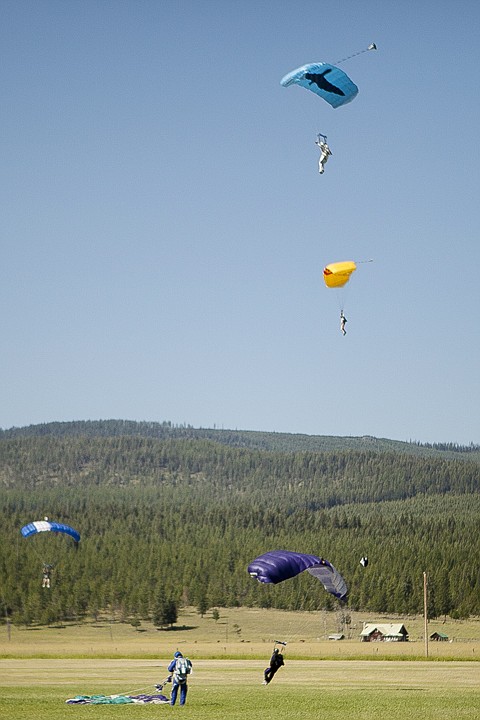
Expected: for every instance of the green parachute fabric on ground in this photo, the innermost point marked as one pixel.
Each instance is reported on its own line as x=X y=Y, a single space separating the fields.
x=156 y=699
x=103 y=700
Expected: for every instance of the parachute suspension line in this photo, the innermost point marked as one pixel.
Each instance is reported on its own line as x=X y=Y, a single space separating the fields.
x=314 y=625
x=135 y=691
x=372 y=46
x=342 y=298
x=303 y=627
x=298 y=628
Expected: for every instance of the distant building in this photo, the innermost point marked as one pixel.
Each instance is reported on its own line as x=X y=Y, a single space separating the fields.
x=384 y=632
x=440 y=637
x=336 y=636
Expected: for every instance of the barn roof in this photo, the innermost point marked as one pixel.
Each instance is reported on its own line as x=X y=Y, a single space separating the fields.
x=387 y=629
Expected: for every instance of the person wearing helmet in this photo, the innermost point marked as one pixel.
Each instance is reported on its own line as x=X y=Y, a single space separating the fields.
x=276 y=662
x=180 y=667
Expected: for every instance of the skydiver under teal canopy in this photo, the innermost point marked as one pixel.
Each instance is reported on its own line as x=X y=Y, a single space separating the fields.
x=325 y=152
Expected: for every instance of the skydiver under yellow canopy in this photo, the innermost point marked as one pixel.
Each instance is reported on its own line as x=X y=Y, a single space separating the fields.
x=343 y=320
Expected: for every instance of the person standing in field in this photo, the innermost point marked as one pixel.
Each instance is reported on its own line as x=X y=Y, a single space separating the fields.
x=180 y=667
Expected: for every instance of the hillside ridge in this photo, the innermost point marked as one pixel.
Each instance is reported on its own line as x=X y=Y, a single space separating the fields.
x=251 y=439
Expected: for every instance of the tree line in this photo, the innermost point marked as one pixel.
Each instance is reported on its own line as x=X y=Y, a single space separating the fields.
x=251 y=439
x=166 y=522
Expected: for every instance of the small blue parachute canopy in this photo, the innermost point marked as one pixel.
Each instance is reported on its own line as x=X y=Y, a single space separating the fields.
x=279 y=565
x=47 y=526
x=327 y=81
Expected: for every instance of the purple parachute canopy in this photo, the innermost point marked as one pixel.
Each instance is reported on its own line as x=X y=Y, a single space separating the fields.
x=279 y=565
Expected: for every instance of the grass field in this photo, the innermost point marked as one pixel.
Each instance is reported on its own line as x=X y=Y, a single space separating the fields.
x=220 y=689
x=240 y=633
x=41 y=667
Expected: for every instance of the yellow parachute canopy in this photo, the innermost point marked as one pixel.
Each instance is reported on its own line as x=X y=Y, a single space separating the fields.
x=338 y=274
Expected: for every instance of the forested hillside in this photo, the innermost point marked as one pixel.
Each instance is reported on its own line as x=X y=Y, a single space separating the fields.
x=177 y=520
x=255 y=440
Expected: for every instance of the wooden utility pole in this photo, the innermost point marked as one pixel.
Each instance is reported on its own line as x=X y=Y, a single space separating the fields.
x=425 y=613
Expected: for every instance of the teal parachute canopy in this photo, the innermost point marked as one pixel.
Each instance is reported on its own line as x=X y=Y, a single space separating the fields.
x=325 y=80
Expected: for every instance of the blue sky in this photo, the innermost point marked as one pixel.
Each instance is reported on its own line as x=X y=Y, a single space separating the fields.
x=164 y=225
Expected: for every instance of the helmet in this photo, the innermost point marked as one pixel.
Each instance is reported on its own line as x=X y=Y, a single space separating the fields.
x=177 y=654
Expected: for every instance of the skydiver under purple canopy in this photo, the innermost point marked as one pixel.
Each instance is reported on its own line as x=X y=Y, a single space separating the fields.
x=276 y=662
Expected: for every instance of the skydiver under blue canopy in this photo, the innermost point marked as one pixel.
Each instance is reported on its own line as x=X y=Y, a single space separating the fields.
x=47 y=570
x=325 y=152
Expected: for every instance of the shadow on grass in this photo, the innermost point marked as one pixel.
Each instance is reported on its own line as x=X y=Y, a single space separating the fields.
x=175 y=628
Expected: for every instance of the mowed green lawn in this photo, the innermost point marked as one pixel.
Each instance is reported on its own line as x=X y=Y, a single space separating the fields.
x=221 y=689
x=41 y=667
